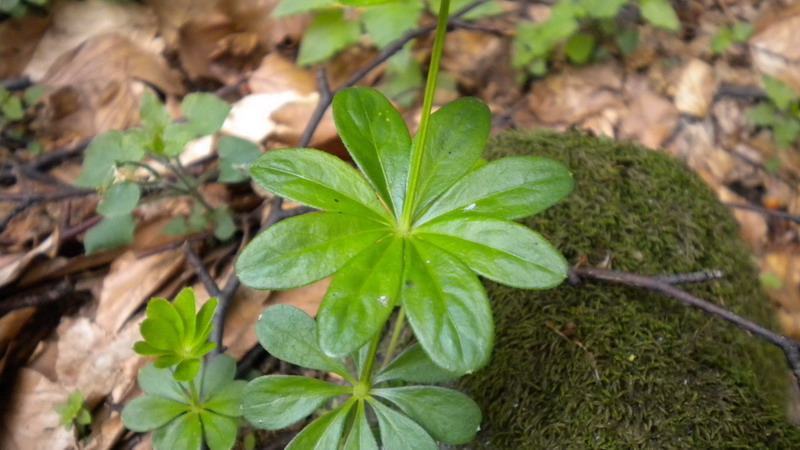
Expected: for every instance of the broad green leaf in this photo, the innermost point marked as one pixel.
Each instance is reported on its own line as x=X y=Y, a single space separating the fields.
x=500 y=250
x=149 y=412
x=160 y=383
x=328 y=34
x=403 y=79
x=387 y=23
x=176 y=227
x=361 y=298
x=216 y=374
x=275 y=402
x=580 y=47
x=369 y=2
x=414 y=366
x=161 y=333
x=175 y=138
x=781 y=94
x=184 y=305
x=119 y=199
x=456 y=139
x=304 y=249
x=447 y=309
x=627 y=40
x=12 y=109
x=205 y=112
x=101 y=157
x=219 y=431
x=323 y=433
x=786 y=131
x=510 y=188
x=227 y=401
x=111 y=232
x=224 y=226
x=448 y=415
x=186 y=369
x=763 y=114
x=33 y=94
x=236 y=155
x=378 y=140
x=292 y=7
x=398 y=432
x=361 y=436
x=291 y=335
x=722 y=40
x=203 y=323
x=153 y=113
x=742 y=31
x=604 y=9
x=317 y=179
x=185 y=433
x=660 y=14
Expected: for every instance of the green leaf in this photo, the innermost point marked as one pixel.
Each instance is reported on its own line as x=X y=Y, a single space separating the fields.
x=414 y=366
x=160 y=383
x=627 y=40
x=447 y=309
x=227 y=401
x=292 y=7
x=175 y=138
x=781 y=94
x=360 y=436
x=304 y=249
x=786 y=131
x=317 y=179
x=186 y=369
x=580 y=47
x=763 y=114
x=369 y=2
x=721 y=41
x=742 y=31
x=403 y=78
x=291 y=335
x=111 y=232
x=328 y=34
x=185 y=433
x=490 y=8
x=275 y=402
x=33 y=94
x=101 y=157
x=361 y=298
x=378 y=140
x=149 y=412
x=323 y=433
x=224 y=226
x=12 y=109
x=456 y=139
x=603 y=9
x=387 y=23
x=448 y=415
x=220 y=432
x=500 y=250
x=203 y=323
x=236 y=155
x=660 y=14
x=509 y=188
x=184 y=305
x=398 y=432
x=205 y=113
x=217 y=374
x=161 y=333
x=153 y=113
x=176 y=227
x=119 y=199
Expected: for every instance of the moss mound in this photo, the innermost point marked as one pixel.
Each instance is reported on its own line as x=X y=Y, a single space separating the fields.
x=603 y=366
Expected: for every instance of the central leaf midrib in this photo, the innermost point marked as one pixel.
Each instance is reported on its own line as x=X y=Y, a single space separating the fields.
x=381 y=165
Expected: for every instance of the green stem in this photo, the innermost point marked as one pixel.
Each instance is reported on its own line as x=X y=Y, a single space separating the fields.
x=190 y=187
x=366 y=371
x=395 y=339
x=427 y=106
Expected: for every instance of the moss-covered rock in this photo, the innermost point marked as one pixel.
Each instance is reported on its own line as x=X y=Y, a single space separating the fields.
x=603 y=366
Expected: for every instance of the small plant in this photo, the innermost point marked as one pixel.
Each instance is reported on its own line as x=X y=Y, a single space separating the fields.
x=729 y=35
x=74 y=414
x=412 y=230
x=19 y=8
x=13 y=107
x=780 y=113
x=184 y=415
x=187 y=401
x=123 y=164
x=575 y=24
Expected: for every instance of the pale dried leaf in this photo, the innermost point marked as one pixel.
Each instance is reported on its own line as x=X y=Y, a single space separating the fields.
x=650 y=119
x=18 y=41
x=695 y=89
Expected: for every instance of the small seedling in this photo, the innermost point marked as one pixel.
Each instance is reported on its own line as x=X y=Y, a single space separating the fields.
x=730 y=35
x=185 y=415
x=780 y=113
x=74 y=414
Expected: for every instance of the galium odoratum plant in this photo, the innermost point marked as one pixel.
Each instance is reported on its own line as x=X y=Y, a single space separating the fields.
x=412 y=230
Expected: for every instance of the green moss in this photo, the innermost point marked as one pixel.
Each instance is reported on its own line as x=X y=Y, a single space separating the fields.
x=632 y=369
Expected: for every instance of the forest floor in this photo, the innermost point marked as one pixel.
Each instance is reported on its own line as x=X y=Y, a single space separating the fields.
x=68 y=319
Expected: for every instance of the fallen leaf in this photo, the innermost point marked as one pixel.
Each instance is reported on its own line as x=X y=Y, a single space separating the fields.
x=650 y=118
x=695 y=88
x=773 y=46
x=18 y=41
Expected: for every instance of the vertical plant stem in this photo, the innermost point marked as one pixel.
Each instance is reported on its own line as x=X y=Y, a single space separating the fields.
x=427 y=106
x=366 y=371
x=395 y=339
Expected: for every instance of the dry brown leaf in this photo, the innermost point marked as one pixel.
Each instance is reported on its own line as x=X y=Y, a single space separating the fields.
x=695 y=89
x=10 y=326
x=570 y=97
x=18 y=41
x=278 y=75
x=785 y=265
x=753 y=225
x=76 y=22
x=774 y=47
x=650 y=118
x=16 y=265
x=91 y=89
x=468 y=57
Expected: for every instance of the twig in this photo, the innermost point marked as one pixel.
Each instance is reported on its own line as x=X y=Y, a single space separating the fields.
x=779 y=214
x=691 y=277
x=789 y=346
x=201 y=271
x=52 y=294
x=16 y=84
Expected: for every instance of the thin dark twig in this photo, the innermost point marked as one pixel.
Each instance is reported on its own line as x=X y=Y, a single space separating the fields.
x=326 y=94
x=19 y=209
x=691 y=277
x=779 y=214
x=789 y=346
x=46 y=161
x=201 y=271
x=52 y=294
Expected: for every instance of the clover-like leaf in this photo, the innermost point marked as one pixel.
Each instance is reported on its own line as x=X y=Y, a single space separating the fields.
x=176 y=334
x=236 y=155
x=102 y=156
x=414 y=366
x=275 y=402
x=111 y=232
x=185 y=414
x=325 y=432
x=398 y=432
x=329 y=33
x=119 y=199
x=448 y=415
x=205 y=113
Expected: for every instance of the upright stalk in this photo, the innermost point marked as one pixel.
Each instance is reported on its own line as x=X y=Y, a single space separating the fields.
x=395 y=339
x=427 y=105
